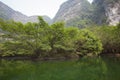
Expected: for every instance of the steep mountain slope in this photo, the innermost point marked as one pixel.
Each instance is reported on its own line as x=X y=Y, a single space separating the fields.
x=8 y=13
x=81 y=13
x=98 y=14
x=108 y=10
x=73 y=12
x=113 y=13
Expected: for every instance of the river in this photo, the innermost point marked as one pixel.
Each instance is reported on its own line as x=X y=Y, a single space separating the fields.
x=99 y=68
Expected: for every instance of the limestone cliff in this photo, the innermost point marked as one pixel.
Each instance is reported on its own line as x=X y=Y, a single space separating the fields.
x=81 y=13
x=107 y=11
x=72 y=11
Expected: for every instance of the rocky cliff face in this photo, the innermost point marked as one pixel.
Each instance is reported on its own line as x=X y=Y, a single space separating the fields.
x=112 y=10
x=72 y=11
x=69 y=10
x=7 y=13
x=80 y=12
x=98 y=13
x=108 y=11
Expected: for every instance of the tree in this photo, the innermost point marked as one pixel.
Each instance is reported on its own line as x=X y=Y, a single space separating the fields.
x=88 y=43
x=27 y=37
x=110 y=37
x=41 y=39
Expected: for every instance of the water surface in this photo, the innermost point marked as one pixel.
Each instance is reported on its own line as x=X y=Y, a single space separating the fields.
x=84 y=69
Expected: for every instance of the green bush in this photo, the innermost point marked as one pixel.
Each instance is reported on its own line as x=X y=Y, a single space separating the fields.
x=41 y=39
x=110 y=37
x=88 y=43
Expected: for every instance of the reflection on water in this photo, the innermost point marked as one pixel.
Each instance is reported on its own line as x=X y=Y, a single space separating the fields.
x=84 y=69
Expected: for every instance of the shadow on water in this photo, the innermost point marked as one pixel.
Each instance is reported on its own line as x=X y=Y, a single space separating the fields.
x=84 y=69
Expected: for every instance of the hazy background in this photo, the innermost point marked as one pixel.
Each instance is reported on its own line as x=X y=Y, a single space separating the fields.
x=35 y=7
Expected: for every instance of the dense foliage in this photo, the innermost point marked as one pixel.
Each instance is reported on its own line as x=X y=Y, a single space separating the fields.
x=110 y=37
x=41 y=39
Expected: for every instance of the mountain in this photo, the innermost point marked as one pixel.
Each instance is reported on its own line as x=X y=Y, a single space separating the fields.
x=35 y=19
x=108 y=11
x=74 y=13
x=8 y=13
x=81 y=13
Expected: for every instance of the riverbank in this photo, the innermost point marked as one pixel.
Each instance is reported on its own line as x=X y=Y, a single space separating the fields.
x=40 y=58
x=54 y=58
x=111 y=54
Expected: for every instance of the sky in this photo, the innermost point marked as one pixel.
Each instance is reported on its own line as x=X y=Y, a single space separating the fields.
x=35 y=7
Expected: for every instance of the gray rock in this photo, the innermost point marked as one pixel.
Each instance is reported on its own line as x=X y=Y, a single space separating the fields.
x=72 y=11
x=81 y=13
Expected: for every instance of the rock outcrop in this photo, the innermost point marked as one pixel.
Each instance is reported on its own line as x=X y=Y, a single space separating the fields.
x=72 y=11
x=81 y=13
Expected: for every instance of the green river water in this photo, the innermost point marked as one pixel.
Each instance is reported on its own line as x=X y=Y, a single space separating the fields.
x=102 y=68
